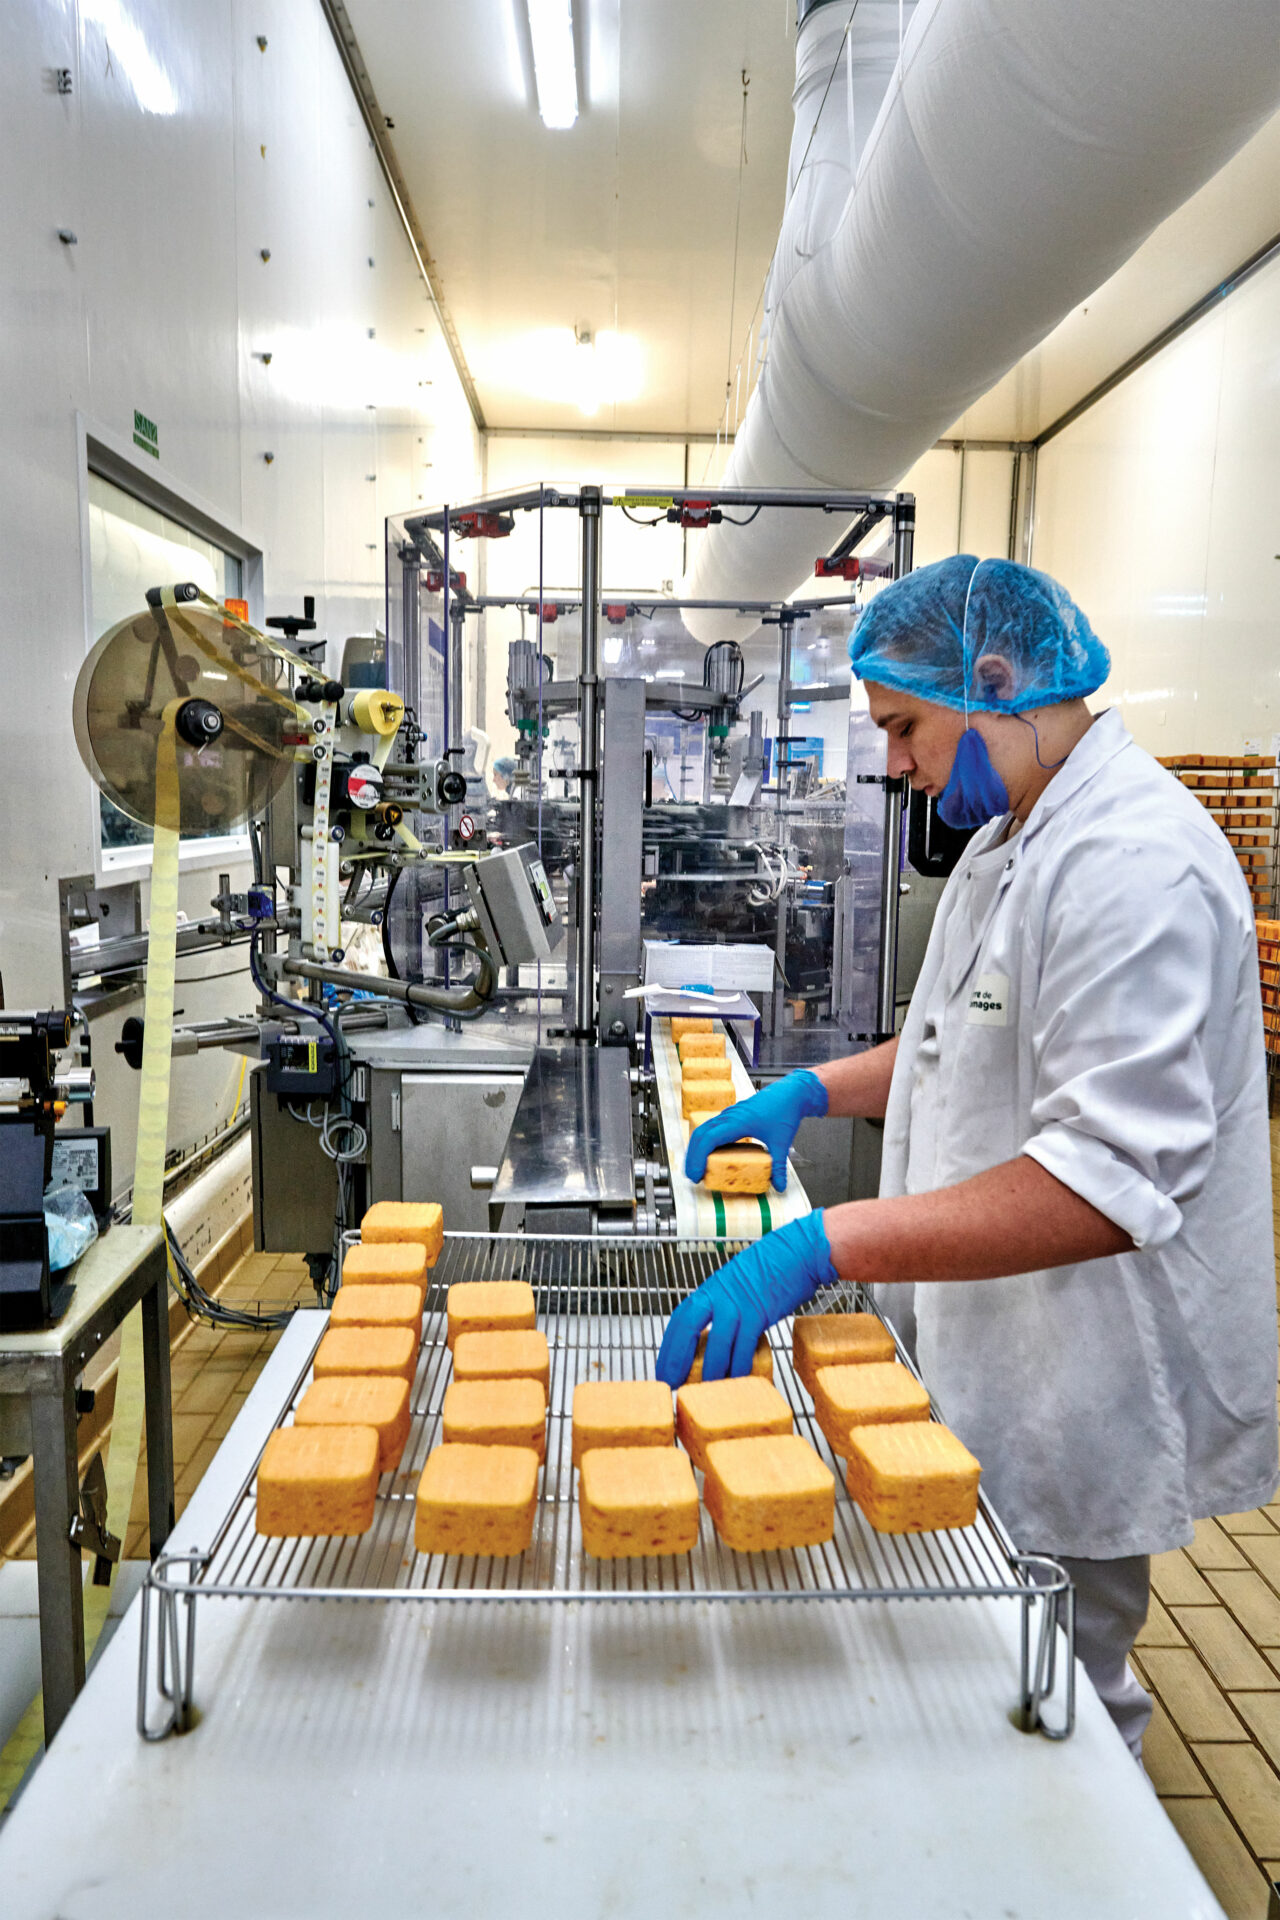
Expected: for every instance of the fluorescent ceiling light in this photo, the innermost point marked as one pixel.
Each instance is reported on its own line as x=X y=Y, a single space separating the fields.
x=554 y=68
x=670 y=673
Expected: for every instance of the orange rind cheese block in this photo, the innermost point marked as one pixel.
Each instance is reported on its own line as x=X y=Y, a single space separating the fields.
x=397 y=1263
x=496 y=1413
x=837 y=1340
x=738 y=1169
x=761 y=1360
x=621 y=1413
x=728 y=1410
x=686 y=1023
x=878 y=1391
x=420 y=1220
x=523 y=1355
x=769 y=1491
x=317 y=1480
x=479 y=1500
x=701 y=1046
x=637 y=1500
x=912 y=1476
x=699 y=1099
x=377 y=1306
x=704 y=1067
x=389 y=1351
x=489 y=1306
x=361 y=1400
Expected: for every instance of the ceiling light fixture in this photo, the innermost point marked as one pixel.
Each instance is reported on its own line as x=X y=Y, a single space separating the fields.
x=555 y=69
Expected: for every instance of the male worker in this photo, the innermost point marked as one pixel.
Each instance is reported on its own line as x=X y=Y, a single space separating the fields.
x=1076 y=1175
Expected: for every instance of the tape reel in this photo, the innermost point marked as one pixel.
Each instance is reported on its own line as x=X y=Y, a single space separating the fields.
x=221 y=687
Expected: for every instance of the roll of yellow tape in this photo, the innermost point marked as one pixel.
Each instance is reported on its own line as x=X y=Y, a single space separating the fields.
x=374 y=710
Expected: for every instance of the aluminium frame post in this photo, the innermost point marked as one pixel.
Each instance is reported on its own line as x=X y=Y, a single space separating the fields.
x=584 y=1016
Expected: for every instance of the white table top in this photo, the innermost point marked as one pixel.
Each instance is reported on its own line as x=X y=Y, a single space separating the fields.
x=97 y=1273
x=825 y=1758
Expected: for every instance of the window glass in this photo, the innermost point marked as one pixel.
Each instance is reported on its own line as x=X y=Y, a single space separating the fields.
x=133 y=547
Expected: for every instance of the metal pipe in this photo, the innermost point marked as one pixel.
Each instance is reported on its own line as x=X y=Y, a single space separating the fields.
x=887 y=984
x=439 y=999
x=588 y=772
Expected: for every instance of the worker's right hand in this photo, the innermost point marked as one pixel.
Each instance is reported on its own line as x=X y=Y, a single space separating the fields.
x=771 y=1116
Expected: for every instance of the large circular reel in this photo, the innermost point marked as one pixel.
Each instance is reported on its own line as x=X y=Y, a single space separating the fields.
x=180 y=721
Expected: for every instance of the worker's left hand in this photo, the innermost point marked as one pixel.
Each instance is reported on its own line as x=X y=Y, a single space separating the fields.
x=765 y=1283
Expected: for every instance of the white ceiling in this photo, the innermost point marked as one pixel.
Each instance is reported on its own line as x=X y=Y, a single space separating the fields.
x=626 y=222
x=623 y=223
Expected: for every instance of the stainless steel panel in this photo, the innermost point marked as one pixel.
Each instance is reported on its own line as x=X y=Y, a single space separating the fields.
x=621 y=846
x=295 y=1185
x=571 y=1141
x=449 y=1123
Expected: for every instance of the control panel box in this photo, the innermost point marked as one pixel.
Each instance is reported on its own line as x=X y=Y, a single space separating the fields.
x=299 y=1066
x=513 y=903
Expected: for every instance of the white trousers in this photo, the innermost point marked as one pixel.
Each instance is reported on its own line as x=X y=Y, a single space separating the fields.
x=1112 y=1598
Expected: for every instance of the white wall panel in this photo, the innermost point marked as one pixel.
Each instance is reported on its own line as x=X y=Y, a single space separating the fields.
x=182 y=151
x=1158 y=509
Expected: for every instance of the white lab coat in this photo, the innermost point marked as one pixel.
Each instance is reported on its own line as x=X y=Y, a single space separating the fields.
x=1102 y=1016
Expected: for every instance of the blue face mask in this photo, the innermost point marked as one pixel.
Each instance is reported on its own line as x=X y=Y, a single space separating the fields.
x=975 y=793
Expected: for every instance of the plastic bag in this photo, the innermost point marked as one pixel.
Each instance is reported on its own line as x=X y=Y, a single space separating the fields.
x=72 y=1226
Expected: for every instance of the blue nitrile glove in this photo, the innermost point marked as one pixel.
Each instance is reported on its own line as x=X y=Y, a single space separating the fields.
x=770 y=1280
x=773 y=1115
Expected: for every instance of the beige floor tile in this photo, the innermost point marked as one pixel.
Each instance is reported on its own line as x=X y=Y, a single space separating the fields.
x=1254 y=1522
x=1249 y=1788
x=1228 y=1652
x=223 y=1420
x=1221 y=1856
x=1212 y=1548
x=1177 y=1582
x=1195 y=1705
x=189 y=1430
x=1168 y=1760
x=1160 y=1630
x=1255 y=1605
x=1261 y=1714
x=1265 y=1555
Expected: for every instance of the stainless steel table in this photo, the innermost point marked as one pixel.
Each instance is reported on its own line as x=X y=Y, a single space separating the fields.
x=38 y=1373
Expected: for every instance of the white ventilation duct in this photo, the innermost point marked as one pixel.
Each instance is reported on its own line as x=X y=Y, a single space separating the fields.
x=1024 y=150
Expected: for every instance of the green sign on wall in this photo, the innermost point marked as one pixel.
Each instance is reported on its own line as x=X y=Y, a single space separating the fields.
x=146 y=434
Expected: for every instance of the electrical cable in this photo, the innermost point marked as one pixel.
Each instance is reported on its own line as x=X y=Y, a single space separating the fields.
x=660 y=520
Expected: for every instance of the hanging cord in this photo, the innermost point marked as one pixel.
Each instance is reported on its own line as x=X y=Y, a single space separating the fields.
x=737 y=228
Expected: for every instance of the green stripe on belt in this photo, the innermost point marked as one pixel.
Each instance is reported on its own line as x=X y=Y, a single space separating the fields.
x=718 y=1203
x=766 y=1218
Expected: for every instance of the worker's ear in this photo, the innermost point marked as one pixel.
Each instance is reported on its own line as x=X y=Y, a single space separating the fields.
x=993 y=677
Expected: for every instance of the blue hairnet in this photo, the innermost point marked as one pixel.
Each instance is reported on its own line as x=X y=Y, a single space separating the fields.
x=926 y=633
x=504 y=765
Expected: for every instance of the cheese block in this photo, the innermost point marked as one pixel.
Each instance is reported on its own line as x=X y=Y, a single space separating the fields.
x=317 y=1480
x=702 y=1098
x=686 y=1023
x=489 y=1306
x=391 y=1351
x=768 y=1491
x=637 y=1500
x=912 y=1476
x=865 y=1395
x=701 y=1046
x=728 y=1410
x=377 y=1306
x=361 y=1400
x=704 y=1067
x=621 y=1413
x=386 y=1263
x=761 y=1360
x=496 y=1413
x=837 y=1340
x=420 y=1220
x=503 y=1356
x=476 y=1500
x=741 y=1168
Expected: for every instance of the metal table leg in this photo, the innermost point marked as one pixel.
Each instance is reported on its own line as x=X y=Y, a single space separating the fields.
x=55 y=1468
x=159 y=1412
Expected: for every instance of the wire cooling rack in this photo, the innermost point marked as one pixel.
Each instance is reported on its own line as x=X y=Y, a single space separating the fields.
x=603 y=1304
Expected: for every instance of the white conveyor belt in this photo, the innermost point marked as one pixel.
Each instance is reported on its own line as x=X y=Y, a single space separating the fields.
x=841 y=1761
x=699 y=1214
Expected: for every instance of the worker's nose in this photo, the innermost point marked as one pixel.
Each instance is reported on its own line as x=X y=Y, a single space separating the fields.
x=900 y=759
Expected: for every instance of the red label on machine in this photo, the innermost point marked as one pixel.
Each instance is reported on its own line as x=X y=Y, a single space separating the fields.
x=466 y=827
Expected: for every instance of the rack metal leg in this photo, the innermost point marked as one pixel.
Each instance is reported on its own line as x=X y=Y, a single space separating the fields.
x=55 y=1471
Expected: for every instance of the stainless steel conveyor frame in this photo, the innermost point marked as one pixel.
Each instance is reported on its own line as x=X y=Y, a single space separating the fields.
x=602 y=1303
